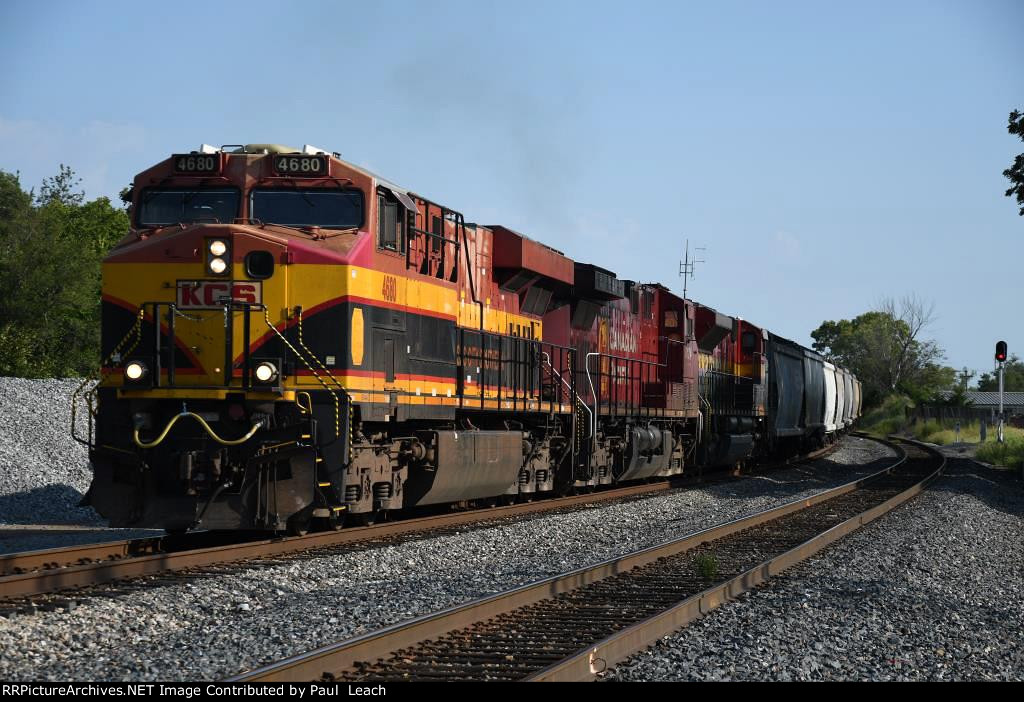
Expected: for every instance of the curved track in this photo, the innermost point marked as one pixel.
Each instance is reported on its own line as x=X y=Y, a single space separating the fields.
x=32 y=573
x=577 y=625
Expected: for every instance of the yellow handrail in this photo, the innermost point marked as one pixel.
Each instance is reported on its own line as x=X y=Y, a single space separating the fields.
x=209 y=430
x=89 y=395
x=337 y=427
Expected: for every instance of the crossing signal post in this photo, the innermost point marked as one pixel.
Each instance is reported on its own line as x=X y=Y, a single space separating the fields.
x=1000 y=362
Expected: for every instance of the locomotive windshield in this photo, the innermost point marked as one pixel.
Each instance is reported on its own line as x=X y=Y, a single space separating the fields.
x=329 y=208
x=165 y=206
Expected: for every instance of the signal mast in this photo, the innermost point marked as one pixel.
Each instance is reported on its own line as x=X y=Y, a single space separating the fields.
x=1001 y=362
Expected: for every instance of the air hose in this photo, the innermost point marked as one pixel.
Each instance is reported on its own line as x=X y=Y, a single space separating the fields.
x=209 y=430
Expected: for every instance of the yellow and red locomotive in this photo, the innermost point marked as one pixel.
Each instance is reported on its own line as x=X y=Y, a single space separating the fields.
x=290 y=339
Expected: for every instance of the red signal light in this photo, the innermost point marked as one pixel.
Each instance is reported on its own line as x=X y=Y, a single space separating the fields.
x=1000 y=351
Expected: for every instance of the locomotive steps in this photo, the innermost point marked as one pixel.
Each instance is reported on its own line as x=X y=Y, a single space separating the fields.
x=577 y=625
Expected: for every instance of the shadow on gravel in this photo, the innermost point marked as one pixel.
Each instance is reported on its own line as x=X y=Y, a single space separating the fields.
x=53 y=504
x=17 y=538
x=1000 y=490
x=796 y=481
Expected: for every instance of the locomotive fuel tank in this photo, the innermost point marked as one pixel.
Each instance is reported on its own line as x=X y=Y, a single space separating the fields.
x=465 y=465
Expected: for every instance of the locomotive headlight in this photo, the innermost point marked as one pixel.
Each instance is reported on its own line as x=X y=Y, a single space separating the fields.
x=135 y=370
x=218 y=256
x=266 y=372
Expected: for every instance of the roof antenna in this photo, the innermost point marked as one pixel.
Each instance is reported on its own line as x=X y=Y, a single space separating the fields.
x=687 y=264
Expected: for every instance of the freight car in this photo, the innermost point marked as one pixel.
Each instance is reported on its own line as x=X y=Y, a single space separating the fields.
x=290 y=340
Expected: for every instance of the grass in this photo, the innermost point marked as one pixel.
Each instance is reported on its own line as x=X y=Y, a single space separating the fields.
x=887 y=418
x=1009 y=454
x=943 y=432
x=706 y=565
x=890 y=418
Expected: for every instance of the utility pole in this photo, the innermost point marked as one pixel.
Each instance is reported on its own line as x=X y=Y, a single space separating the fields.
x=965 y=377
x=687 y=264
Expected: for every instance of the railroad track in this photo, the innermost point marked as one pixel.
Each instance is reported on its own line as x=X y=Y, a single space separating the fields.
x=578 y=625
x=30 y=574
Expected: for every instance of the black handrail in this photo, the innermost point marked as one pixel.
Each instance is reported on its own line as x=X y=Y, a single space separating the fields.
x=638 y=374
x=513 y=366
x=228 y=306
x=730 y=393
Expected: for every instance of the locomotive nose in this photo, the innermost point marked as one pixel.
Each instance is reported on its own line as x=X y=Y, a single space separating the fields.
x=205 y=290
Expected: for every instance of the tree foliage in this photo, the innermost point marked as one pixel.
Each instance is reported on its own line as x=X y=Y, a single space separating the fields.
x=885 y=350
x=957 y=397
x=1013 y=377
x=1015 y=173
x=60 y=189
x=51 y=245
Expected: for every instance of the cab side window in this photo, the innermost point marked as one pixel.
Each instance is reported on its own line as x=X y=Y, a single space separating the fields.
x=749 y=342
x=390 y=223
x=648 y=301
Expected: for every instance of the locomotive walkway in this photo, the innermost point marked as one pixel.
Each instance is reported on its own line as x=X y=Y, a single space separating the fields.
x=577 y=625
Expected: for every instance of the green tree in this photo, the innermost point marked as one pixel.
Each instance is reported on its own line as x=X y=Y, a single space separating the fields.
x=931 y=381
x=61 y=189
x=1013 y=377
x=885 y=349
x=954 y=397
x=51 y=246
x=13 y=200
x=1015 y=173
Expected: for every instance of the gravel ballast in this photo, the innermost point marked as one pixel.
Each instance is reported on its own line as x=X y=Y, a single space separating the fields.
x=216 y=626
x=43 y=471
x=944 y=618
x=931 y=591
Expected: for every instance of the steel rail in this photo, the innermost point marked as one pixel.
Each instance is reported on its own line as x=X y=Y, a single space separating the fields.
x=588 y=663
x=93 y=564
x=50 y=570
x=64 y=556
x=333 y=659
x=45 y=571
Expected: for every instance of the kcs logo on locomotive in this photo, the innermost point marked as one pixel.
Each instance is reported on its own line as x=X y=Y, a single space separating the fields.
x=211 y=294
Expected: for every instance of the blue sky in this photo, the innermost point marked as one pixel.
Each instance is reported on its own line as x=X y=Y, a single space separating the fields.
x=826 y=154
